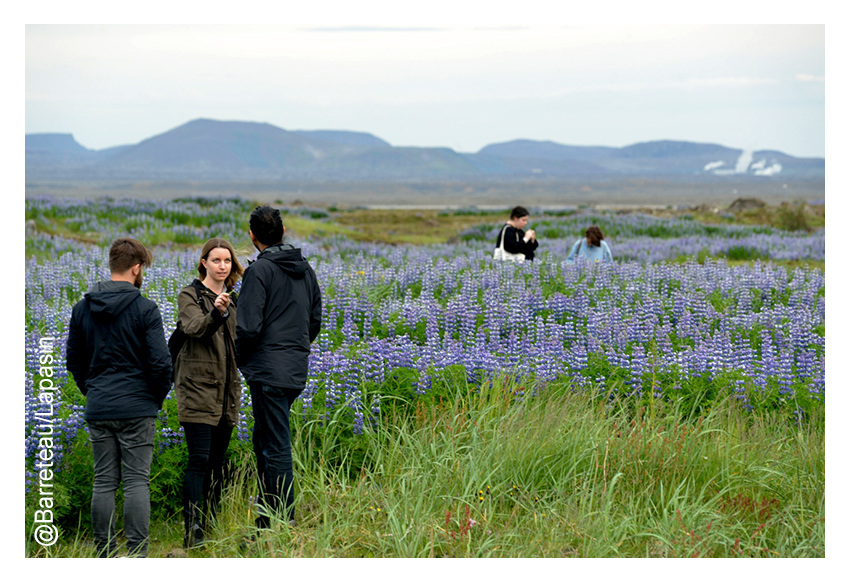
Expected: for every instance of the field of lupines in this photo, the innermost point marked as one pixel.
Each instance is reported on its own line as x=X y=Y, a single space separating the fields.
x=402 y=321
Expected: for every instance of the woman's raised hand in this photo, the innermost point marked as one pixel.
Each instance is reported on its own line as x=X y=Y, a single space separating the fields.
x=222 y=302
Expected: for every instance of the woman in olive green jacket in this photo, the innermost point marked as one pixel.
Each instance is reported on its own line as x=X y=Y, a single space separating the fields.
x=206 y=380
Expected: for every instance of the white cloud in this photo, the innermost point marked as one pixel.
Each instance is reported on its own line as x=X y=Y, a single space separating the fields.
x=728 y=82
x=639 y=86
x=810 y=78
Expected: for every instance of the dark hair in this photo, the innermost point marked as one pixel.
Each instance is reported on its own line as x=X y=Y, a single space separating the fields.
x=126 y=253
x=236 y=269
x=518 y=212
x=266 y=224
x=594 y=235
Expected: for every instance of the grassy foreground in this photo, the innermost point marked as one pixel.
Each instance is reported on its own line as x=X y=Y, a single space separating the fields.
x=557 y=475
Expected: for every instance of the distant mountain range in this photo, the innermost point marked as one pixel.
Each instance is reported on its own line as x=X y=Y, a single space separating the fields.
x=205 y=149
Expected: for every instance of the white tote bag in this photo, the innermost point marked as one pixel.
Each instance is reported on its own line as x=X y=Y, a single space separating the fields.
x=500 y=254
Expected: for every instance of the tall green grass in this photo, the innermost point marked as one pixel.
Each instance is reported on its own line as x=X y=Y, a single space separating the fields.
x=486 y=472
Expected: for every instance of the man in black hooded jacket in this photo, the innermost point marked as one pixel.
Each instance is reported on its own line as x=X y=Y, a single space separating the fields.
x=117 y=354
x=280 y=314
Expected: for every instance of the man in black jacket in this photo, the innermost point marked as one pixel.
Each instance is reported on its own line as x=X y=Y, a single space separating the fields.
x=119 y=359
x=280 y=314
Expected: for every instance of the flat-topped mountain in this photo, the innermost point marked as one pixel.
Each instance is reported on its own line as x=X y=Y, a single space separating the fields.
x=58 y=143
x=206 y=149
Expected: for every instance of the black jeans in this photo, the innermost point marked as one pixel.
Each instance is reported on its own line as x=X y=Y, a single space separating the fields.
x=204 y=476
x=122 y=451
x=273 y=447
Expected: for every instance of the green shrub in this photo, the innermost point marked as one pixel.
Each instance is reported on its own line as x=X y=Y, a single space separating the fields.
x=793 y=217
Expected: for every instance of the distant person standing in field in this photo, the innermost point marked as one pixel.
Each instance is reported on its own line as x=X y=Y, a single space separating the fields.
x=117 y=354
x=280 y=314
x=207 y=382
x=513 y=242
x=591 y=247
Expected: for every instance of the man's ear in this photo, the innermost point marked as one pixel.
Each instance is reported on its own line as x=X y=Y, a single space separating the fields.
x=135 y=269
x=284 y=232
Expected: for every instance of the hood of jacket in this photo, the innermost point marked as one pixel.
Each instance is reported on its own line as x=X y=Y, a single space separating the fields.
x=110 y=298
x=287 y=258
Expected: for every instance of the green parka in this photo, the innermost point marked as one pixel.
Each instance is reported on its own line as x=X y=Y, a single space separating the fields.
x=206 y=379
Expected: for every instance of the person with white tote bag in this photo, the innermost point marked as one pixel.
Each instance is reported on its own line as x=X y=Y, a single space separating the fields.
x=514 y=243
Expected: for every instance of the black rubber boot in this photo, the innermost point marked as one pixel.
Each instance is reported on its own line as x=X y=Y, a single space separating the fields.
x=193 y=535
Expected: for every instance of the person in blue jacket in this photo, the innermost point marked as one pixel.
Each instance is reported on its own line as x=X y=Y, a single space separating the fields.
x=280 y=315
x=117 y=355
x=591 y=247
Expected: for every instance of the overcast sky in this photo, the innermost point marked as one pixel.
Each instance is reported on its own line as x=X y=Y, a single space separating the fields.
x=459 y=86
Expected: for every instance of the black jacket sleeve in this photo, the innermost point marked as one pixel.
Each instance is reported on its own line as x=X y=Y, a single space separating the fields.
x=159 y=358
x=249 y=324
x=514 y=243
x=77 y=358
x=316 y=312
